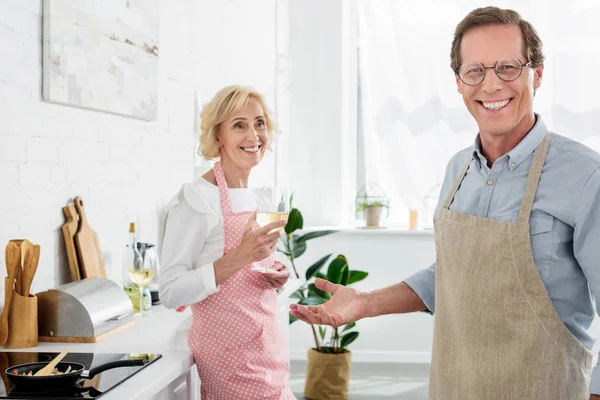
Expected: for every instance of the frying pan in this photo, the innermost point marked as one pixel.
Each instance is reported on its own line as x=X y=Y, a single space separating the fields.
x=53 y=382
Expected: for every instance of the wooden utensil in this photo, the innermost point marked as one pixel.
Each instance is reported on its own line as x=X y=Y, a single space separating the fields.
x=69 y=230
x=47 y=370
x=88 y=247
x=13 y=261
x=29 y=269
x=26 y=247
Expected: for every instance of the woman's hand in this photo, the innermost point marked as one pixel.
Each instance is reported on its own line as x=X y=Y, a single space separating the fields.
x=279 y=278
x=257 y=244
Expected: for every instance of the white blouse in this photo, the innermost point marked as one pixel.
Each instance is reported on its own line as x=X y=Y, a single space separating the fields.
x=194 y=239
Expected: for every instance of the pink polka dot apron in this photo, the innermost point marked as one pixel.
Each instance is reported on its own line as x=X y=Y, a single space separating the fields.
x=238 y=343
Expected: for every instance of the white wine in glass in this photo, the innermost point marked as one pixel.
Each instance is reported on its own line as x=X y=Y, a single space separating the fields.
x=141 y=277
x=273 y=206
x=265 y=217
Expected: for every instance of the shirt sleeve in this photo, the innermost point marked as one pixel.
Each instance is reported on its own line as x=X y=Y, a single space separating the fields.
x=181 y=282
x=585 y=246
x=423 y=283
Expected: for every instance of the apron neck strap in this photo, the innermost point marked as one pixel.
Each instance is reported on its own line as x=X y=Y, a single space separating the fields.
x=533 y=178
x=223 y=188
x=457 y=184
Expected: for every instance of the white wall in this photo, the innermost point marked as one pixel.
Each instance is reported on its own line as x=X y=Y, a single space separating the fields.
x=123 y=168
x=323 y=80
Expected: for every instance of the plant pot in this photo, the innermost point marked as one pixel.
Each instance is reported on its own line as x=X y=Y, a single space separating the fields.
x=327 y=376
x=373 y=215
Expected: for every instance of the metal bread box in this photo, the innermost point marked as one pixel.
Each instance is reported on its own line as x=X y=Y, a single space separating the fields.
x=83 y=311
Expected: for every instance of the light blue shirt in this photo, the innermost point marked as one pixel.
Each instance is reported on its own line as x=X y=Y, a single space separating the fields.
x=565 y=220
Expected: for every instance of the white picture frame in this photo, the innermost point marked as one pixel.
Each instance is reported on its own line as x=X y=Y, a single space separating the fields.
x=102 y=55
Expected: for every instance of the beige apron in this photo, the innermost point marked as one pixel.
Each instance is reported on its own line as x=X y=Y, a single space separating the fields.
x=497 y=335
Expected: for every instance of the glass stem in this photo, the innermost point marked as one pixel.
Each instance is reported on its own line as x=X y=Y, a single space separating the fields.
x=141 y=288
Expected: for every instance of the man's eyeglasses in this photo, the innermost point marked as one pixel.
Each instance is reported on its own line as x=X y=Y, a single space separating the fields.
x=508 y=70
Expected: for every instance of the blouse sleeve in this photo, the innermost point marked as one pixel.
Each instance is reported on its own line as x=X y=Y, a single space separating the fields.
x=181 y=282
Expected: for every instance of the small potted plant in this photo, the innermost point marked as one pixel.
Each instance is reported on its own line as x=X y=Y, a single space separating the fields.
x=372 y=207
x=328 y=369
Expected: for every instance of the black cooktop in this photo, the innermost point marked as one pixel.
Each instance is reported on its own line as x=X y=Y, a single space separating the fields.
x=86 y=388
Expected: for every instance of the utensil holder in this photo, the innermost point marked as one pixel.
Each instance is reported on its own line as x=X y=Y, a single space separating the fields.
x=22 y=322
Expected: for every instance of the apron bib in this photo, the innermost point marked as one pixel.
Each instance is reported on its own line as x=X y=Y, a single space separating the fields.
x=238 y=343
x=497 y=335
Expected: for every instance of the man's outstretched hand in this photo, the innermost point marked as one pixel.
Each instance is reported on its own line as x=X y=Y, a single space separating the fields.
x=347 y=305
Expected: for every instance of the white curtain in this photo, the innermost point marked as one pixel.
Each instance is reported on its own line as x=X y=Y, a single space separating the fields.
x=413 y=119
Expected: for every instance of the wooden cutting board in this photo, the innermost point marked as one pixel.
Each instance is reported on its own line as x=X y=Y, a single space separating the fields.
x=88 y=247
x=69 y=230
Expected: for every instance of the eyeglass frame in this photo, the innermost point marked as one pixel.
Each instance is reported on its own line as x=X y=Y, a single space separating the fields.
x=457 y=71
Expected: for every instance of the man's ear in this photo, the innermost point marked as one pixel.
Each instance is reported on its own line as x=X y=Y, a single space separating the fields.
x=537 y=76
x=459 y=84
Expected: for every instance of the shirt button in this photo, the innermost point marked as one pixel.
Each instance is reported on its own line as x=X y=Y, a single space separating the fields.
x=490 y=182
x=513 y=164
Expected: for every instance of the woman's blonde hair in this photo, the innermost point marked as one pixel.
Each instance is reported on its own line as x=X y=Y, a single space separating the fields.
x=226 y=103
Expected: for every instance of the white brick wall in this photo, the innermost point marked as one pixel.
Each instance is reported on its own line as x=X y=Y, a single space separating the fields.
x=122 y=167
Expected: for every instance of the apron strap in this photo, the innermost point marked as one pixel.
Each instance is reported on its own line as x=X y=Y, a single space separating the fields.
x=223 y=188
x=457 y=184
x=533 y=178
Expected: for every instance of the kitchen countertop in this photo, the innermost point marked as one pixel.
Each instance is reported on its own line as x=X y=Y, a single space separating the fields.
x=149 y=335
x=164 y=332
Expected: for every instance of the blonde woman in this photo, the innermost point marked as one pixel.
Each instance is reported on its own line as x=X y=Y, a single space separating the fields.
x=211 y=241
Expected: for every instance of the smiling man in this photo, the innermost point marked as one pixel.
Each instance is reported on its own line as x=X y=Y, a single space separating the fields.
x=517 y=235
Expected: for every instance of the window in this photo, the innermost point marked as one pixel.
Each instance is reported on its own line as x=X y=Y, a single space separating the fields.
x=412 y=120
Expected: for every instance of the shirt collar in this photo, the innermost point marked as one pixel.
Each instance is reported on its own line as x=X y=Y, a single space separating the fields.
x=527 y=146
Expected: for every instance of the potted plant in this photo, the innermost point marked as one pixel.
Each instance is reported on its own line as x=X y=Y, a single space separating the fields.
x=373 y=211
x=371 y=205
x=328 y=369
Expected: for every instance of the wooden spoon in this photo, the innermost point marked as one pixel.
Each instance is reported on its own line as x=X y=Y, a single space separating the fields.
x=29 y=269
x=47 y=370
x=13 y=261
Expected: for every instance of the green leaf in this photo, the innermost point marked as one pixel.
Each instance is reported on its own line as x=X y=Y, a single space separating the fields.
x=336 y=269
x=348 y=338
x=320 y=275
x=284 y=252
x=299 y=249
x=327 y=350
x=314 y=235
x=297 y=295
x=357 y=276
x=322 y=332
x=345 y=276
x=312 y=301
x=315 y=291
x=293 y=319
x=348 y=327
x=295 y=221
x=316 y=267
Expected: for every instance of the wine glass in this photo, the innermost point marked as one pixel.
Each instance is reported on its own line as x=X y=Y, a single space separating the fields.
x=141 y=274
x=273 y=206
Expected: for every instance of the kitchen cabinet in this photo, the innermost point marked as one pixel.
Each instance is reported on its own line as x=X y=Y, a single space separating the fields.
x=184 y=387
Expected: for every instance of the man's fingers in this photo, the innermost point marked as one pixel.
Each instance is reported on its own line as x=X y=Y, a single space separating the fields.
x=326 y=285
x=305 y=314
x=299 y=315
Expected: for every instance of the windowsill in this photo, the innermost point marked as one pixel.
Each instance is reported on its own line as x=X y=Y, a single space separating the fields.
x=352 y=230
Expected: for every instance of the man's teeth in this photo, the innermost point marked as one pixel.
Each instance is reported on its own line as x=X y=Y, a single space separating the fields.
x=495 y=105
x=251 y=149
